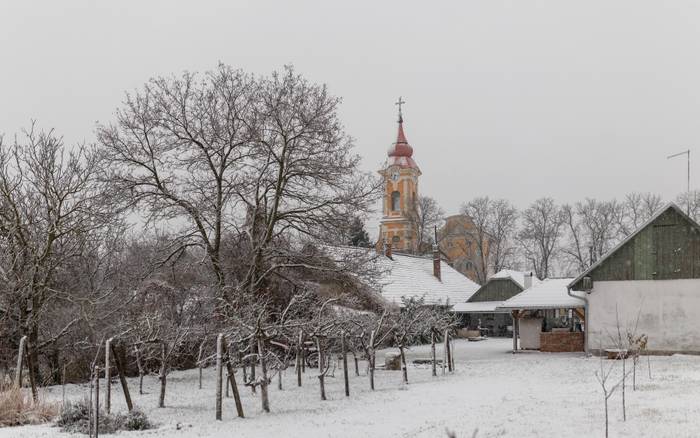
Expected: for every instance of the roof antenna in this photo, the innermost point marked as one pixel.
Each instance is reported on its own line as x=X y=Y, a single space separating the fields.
x=668 y=158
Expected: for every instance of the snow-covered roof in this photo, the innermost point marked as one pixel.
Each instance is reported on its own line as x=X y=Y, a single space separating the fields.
x=516 y=276
x=549 y=294
x=478 y=307
x=412 y=277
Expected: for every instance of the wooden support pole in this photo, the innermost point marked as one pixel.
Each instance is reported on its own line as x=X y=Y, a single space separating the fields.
x=96 y=402
x=122 y=376
x=371 y=360
x=108 y=376
x=219 y=373
x=20 y=361
x=344 y=349
x=263 y=369
x=199 y=362
x=234 y=385
x=514 y=314
x=300 y=359
x=445 y=349
x=432 y=350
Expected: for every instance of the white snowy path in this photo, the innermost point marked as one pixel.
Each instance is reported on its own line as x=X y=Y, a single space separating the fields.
x=501 y=394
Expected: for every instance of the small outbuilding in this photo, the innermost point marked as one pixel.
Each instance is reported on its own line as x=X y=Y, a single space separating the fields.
x=648 y=284
x=480 y=311
x=546 y=318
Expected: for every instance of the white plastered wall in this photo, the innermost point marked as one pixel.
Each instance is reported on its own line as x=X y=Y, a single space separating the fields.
x=669 y=313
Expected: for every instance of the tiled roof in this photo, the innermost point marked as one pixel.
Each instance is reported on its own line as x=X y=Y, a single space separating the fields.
x=549 y=294
x=412 y=276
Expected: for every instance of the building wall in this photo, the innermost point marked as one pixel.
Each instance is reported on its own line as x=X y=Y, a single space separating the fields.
x=669 y=313
x=459 y=246
x=398 y=226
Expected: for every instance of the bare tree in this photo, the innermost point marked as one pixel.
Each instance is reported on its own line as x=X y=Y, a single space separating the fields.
x=540 y=233
x=592 y=230
x=502 y=231
x=479 y=211
x=54 y=215
x=636 y=209
x=427 y=214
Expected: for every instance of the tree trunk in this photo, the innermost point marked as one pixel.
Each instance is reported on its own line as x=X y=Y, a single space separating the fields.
x=263 y=369
x=219 y=373
x=357 y=365
x=321 y=366
x=452 y=353
x=253 y=360
x=343 y=347
x=140 y=367
x=32 y=361
x=606 y=415
x=404 y=369
x=432 y=350
x=444 y=353
x=122 y=377
x=163 y=377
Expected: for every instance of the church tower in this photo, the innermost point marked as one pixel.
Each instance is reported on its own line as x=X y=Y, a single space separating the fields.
x=398 y=226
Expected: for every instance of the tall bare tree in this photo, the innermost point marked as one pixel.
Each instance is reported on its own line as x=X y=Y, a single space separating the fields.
x=426 y=214
x=53 y=212
x=540 y=233
x=177 y=150
x=502 y=231
x=636 y=209
x=592 y=230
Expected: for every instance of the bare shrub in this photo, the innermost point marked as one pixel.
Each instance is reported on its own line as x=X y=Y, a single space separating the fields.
x=18 y=408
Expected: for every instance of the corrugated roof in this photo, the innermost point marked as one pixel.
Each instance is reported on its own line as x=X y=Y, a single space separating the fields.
x=478 y=307
x=549 y=294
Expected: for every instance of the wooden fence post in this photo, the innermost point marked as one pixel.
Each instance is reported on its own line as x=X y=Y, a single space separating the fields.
x=122 y=377
x=20 y=362
x=108 y=376
x=300 y=358
x=199 y=362
x=234 y=385
x=444 y=353
x=371 y=360
x=96 y=403
x=343 y=347
x=219 y=373
x=432 y=349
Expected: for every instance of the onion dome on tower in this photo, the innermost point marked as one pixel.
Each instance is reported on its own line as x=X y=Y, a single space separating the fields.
x=400 y=153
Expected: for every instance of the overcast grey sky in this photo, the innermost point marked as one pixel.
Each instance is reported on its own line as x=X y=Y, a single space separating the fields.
x=514 y=99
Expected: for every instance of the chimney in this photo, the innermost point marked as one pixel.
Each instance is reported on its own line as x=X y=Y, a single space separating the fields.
x=436 y=262
x=528 y=280
x=387 y=249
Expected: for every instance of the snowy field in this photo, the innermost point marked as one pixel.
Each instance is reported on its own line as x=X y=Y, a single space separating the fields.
x=500 y=394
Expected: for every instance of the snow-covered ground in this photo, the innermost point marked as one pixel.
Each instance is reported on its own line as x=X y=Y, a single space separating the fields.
x=500 y=394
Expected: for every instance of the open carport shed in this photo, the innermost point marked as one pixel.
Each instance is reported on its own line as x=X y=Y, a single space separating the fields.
x=532 y=307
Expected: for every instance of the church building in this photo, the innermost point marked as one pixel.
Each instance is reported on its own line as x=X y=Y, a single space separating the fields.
x=398 y=225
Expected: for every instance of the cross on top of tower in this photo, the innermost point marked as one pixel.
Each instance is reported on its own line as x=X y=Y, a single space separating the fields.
x=400 y=102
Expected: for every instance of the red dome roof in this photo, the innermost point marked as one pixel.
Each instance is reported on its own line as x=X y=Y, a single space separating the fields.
x=400 y=153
